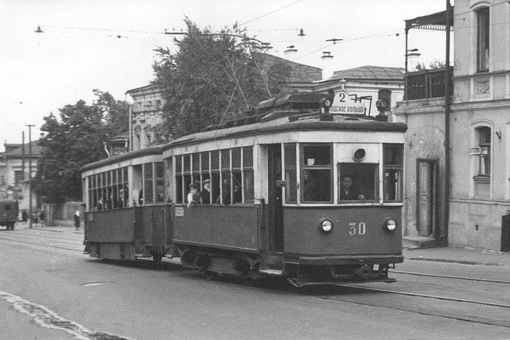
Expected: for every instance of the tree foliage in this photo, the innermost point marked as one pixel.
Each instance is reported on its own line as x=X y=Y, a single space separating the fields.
x=73 y=141
x=433 y=65
x=213 y=77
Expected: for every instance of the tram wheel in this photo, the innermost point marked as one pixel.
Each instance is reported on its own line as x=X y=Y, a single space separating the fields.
x=210 y=275
x=157 y=258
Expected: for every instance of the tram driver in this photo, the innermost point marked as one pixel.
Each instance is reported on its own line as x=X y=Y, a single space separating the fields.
x=347 y=191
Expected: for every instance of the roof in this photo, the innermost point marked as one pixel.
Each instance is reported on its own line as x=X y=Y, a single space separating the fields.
x=370 y=73
x=18 y=152
x=299 y=73
x=433 y=22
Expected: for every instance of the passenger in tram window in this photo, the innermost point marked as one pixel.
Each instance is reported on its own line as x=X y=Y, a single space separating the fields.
x=193 y=195
x=99 y=205
x=312 y=192
x=206 y=193
x=238 y=195
x=109 y=202
x=140 y=198
x=347 y=191
x=225 y=194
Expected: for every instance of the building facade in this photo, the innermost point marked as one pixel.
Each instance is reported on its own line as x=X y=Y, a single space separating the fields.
x=14 y=172
x=146 y=112
x=480 y=124
x=461 y=198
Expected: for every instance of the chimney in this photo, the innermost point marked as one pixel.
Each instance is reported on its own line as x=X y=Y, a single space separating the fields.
x=327 y=67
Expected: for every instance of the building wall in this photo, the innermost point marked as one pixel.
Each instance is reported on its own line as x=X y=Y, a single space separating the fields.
x=146 y=113
x=424 y=140
x=481 y=99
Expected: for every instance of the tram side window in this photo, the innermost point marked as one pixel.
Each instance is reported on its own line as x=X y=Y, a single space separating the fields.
x=178 y=180
x=393 y=164
x=248 y=186
x=357 y=181
x=160 y=183
x=316 y=176
x=148 y=184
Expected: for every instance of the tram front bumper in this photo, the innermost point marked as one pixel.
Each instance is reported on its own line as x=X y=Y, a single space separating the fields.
x=338 y=260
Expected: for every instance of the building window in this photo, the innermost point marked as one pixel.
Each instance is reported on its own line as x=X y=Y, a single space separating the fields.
x=483 y=35
x=484 y=151
x=18 y=177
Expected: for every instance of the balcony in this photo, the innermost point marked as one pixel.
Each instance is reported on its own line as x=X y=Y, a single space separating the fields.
x=426 y=84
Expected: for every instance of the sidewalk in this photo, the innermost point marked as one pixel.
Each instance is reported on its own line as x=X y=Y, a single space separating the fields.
x=55 y=228
x=464 y=255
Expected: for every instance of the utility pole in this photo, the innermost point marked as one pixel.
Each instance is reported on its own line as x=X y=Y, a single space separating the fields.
x=30 y=173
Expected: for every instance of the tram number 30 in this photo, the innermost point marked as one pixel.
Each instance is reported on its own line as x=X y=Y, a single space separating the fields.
x=357 y=229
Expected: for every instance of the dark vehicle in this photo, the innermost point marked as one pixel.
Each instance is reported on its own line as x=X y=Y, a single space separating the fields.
x=277 y=182
x=8 y=213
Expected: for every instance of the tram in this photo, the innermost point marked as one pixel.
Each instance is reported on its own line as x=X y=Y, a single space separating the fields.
x=289 y=191
x=124 y=206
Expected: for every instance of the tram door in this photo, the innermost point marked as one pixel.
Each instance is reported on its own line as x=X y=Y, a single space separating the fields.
x=426 y=202
x=275 y=207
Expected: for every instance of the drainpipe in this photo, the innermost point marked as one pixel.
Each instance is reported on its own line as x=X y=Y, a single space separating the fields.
x=447 y=95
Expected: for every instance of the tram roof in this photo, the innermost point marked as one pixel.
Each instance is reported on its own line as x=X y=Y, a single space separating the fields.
x=281 y=121
x=155 y=150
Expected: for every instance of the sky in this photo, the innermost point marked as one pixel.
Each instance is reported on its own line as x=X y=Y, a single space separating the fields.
x=109 y=44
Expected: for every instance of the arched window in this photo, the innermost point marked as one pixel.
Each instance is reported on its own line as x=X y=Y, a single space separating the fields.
x=482 y=151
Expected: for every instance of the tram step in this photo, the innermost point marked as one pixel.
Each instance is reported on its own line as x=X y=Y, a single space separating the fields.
x=271 y=271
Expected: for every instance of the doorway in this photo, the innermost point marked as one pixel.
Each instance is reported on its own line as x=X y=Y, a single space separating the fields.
x=426 y=192
x=275 y=205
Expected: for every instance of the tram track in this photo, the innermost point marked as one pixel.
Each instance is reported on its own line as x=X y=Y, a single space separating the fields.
x=27 y=238
x=431 y=312
x=451 y=307
x=450 y=277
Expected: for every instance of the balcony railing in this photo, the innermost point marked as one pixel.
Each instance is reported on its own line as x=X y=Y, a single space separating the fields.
x=426 y=84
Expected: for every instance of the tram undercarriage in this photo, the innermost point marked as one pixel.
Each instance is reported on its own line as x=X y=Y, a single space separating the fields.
x=251 y=267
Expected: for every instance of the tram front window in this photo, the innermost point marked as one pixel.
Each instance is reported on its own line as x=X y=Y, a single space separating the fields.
x=357 y=182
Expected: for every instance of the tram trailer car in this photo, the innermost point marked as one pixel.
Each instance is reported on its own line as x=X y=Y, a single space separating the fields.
x=125 y=215
x=276 y=206
x=8 y=213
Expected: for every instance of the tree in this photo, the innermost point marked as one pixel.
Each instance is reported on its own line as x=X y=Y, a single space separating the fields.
x=77 y=139
x=213 y=77
x=433 y=65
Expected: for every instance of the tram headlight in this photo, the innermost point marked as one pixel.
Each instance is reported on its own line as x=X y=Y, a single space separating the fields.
x=390 y=225
x=325 y=226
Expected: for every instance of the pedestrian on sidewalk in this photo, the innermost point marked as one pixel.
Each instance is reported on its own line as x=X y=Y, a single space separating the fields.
x=35 y=218
x=24 y=216
x=42 y=216
x=77 y=219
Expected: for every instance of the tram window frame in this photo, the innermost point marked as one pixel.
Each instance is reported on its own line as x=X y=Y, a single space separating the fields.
x=393 y=164
x=159 y=172
x=179 y=190
x=248 y=175
x=236 y=178
x=321 y=167
x=290 y=161
x=148 y=178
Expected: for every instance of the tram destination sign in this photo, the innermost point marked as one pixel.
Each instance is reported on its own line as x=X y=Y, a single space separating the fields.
x=344 y=104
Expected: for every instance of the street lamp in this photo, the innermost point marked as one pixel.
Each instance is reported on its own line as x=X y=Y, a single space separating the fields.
x=30 y=173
